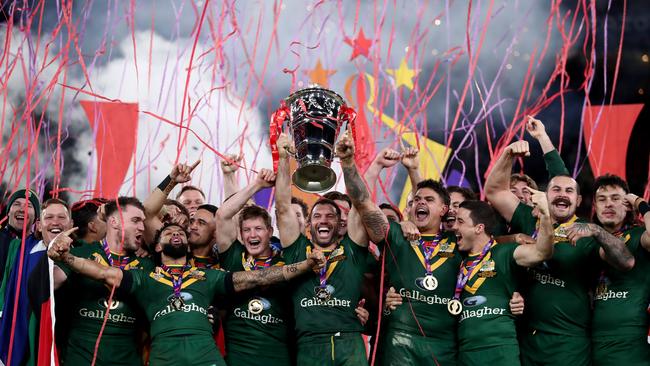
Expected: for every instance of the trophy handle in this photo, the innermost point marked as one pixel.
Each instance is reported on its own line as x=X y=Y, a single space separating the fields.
x=349 y=115
x=275 y=129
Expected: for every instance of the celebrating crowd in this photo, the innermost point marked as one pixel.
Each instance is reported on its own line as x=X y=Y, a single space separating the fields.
x=517 y=279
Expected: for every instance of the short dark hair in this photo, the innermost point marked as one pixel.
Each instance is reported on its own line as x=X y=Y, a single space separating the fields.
x=111 y=206
x=83 y=212
x=338 y=196
x=302 y=204
x=610 y=180
x=189 y=188
x=167 y=225
x=388 y=206
x=253 y=212
x=326 y=201
x=171 y=202
x=481 y=213
x=520 y=177
x=567 y=176
x=436 y=187
x=208 y=207
x=467 y=193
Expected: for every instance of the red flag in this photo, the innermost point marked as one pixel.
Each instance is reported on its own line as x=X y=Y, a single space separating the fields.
x=116 y=131
x=607 y=137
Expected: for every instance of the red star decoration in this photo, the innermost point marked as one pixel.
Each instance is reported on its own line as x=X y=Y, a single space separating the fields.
x=360 y=45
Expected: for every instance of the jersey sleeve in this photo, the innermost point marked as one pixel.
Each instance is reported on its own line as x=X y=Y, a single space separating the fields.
x=554 y=164
x=132 y=281
x=523 y=220
x=231 y=258
x=291 y=254
x=220 y=282
x=394 y=236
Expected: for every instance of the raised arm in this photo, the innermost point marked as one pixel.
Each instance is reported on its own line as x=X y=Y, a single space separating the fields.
x=411 y=161
x=554 y=163
x=229 y=169
x=531 y=255
x=245 y=280
x=225 y=225
x=385 y=158
x=374 y=221
x=497 y=184
x=180 y=173
x=288 y=225
x=637 y=204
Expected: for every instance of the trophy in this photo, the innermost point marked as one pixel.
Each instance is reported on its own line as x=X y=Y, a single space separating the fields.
x=315 y=118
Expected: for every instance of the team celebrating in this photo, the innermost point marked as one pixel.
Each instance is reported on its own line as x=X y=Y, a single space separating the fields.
x=515 y=279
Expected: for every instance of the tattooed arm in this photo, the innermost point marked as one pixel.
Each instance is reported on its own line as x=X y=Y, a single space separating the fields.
x=374 y=221
x=612 y=249
x=245 y=280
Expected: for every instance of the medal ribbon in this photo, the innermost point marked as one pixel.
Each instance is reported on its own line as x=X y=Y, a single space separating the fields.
x=463 y=276
x=177 y=280
x=124 y=260
x=428 y=248
x=327 y=270
x=557 y=231
x=253 y=264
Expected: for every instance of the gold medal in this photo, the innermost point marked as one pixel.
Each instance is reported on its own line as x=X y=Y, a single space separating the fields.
x=255 y=306
x=322 y=294
x=454 y=306
x=177 y=302
x=429 y=282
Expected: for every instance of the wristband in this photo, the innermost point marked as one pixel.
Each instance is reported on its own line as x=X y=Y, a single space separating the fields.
x=644 y=208
x=163 y=185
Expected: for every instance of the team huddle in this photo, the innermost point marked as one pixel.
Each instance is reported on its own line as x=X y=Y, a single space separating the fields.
x=516 y=279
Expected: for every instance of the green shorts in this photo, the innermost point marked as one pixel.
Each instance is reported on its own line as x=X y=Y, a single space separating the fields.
x=346 y=349
x=493 y=356
x=274 y=357
x=186 y=351
x=399 y=348
x=113 y=350
x=621 y=351
x=539 y=348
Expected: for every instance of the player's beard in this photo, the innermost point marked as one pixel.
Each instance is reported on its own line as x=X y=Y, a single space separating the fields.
x=173 y=251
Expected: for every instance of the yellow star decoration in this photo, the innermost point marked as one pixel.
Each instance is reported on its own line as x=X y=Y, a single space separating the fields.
x=433 y=155
x=403 y=75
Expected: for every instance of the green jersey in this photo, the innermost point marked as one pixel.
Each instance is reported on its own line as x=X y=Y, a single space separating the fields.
x=486 y=320
x=554 y=164
x=89 y=302
x=257 y=320
x=422 y=308
x=557 y=300
x=621 y=298
x=335 y=313
x=153 y=291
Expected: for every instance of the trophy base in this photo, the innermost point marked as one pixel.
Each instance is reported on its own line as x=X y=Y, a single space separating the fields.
x=314 y=178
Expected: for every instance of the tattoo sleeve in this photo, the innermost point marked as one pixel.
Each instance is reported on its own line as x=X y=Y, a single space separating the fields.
x=355 y=185
x=245 y=280
x=373 y=219
x=616 y=253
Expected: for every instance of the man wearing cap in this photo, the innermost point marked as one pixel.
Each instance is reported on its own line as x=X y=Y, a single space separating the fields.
x=22 y=209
